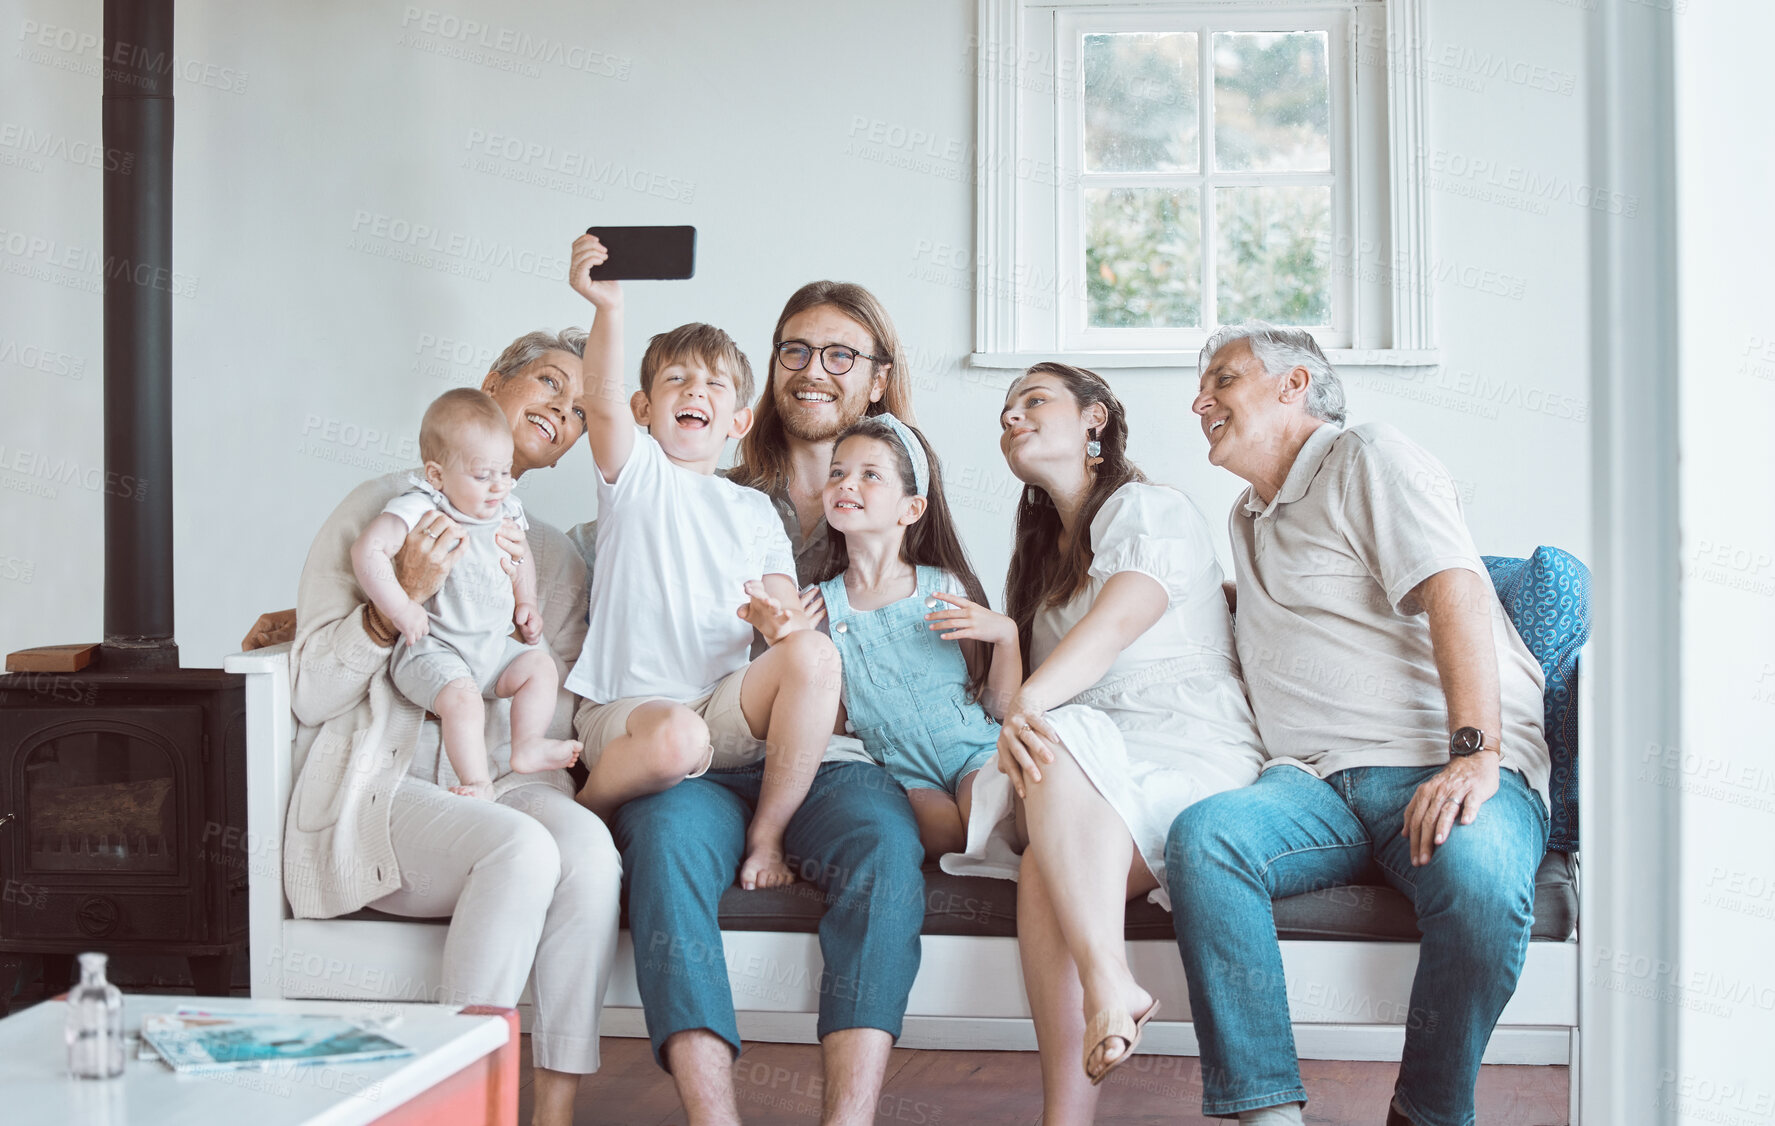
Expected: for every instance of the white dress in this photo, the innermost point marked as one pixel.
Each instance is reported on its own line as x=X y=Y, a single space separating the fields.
x=1168 y=723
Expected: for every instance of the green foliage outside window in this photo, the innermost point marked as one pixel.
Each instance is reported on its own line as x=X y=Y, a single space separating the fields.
x=1143 y=253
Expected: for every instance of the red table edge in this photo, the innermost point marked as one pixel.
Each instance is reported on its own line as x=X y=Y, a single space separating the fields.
x=486 y=1091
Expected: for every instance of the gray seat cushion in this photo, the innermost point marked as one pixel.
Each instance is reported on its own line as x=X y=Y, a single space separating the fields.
x=968 y=905
x=1380 y=913
x=965 y=905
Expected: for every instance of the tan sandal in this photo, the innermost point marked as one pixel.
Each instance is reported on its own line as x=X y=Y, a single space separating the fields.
x=1113 y=1025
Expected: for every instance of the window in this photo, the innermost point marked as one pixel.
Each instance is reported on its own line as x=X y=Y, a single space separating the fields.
x=1206 y=163
x=1209 y=186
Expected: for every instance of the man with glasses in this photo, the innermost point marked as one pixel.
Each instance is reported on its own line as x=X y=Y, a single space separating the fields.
x=834 y=358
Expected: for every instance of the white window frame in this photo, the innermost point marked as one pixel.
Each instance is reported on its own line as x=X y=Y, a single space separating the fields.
x=1029 y=261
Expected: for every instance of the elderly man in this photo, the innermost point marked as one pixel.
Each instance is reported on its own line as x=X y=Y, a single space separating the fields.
x=1402 y=716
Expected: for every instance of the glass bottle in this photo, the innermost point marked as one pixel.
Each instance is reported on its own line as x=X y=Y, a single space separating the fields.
x=95 y=1023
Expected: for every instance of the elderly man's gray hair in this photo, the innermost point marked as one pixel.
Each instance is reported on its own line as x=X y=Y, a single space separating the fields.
x=528 y=348
x=1280 y=351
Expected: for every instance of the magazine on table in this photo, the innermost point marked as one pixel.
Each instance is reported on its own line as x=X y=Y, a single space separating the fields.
x=197 y=1040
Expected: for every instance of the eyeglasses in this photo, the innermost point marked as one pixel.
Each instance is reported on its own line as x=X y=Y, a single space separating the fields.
x=835 y=358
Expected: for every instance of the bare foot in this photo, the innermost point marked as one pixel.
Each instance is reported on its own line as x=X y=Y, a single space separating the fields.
x=532 y=756
x=482 y=790
x=764 y=868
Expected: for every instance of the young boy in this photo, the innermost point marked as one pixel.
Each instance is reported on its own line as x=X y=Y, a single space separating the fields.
x=664 y=673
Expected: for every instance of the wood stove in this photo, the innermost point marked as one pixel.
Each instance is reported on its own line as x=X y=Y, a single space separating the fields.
x=118 y=782
x=118 y=793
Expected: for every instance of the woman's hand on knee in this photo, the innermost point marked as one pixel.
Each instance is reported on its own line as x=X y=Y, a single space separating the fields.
x=1025 y=741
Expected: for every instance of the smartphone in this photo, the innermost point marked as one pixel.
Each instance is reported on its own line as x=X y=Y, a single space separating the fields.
x=638 y=253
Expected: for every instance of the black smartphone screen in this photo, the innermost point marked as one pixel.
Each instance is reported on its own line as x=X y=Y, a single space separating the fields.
x=638 y=253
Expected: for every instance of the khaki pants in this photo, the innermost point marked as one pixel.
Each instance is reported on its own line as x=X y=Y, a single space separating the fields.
x=730 y=736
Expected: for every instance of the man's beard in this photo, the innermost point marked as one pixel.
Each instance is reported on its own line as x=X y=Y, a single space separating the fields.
x=803 y=429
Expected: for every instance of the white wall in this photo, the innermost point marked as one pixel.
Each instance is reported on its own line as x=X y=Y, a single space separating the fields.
x=1725 y=766
x=304 y=127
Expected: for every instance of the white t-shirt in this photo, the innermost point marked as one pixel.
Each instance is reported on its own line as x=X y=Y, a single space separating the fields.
x=675 y=549
x=1336 y=652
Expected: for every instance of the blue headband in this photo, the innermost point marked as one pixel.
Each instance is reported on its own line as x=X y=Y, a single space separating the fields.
x=921 y=466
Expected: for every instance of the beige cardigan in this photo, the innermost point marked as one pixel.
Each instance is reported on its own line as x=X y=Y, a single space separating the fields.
x=356 y=735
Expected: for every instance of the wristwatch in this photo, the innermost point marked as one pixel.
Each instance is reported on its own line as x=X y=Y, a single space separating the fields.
x=1467 y=741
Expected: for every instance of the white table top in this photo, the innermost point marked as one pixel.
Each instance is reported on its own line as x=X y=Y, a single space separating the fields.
x=36 y=1090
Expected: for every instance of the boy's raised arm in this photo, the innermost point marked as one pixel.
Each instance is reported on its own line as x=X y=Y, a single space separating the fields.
x=610 y=425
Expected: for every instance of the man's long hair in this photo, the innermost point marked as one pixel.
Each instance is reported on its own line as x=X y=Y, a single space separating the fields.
x=764 y=451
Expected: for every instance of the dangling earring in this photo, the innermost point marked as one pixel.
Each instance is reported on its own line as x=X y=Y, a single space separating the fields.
x=1093 y=451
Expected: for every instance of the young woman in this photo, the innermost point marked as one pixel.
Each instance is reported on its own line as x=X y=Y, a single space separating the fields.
x=1133 y=710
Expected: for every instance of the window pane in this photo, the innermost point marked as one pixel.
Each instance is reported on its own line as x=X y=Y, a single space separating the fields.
x=1272 y=102
x=1140 y=103
x=1143 y=257
x=1271 y=247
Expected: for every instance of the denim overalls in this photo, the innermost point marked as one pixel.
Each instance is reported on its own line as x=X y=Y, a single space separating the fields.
x=906 y=689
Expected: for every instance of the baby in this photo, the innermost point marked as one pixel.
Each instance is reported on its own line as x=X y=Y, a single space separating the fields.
x=458 y=645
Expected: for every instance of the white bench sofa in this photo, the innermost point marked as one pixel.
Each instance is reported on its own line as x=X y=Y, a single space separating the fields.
x=1348 y=999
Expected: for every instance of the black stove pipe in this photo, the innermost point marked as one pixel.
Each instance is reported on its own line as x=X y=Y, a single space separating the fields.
x=138 y=264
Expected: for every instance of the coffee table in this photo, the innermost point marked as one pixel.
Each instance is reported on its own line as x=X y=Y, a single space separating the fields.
x=464 y=1070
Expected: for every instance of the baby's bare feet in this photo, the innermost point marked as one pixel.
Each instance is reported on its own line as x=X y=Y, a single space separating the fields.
x=532 y=756
x=482 y=790
x=764 y=867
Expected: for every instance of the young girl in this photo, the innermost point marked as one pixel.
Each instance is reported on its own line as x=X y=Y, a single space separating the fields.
x=912 y=694
x=457 y=645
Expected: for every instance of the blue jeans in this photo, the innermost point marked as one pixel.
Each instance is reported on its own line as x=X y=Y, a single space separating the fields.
x=1229 y=855
x=854 y=839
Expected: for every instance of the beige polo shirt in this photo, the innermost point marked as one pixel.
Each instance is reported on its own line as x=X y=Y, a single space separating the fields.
x=1336 y=653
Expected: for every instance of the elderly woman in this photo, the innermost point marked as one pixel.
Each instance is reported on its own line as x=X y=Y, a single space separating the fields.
x=530 y=877
x=1134 y=710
